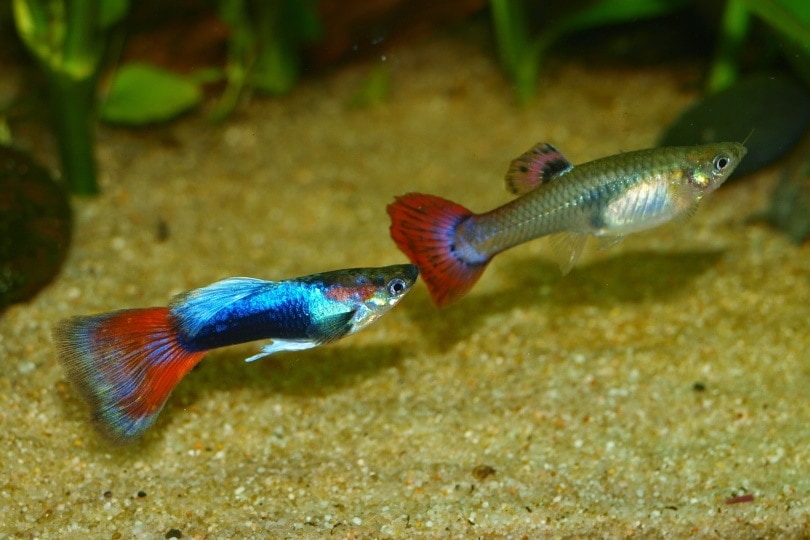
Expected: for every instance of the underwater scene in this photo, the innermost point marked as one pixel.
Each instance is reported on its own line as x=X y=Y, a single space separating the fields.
x=499 y=269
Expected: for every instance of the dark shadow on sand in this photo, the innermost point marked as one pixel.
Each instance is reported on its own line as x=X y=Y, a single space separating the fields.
x=629 y=278
x=314 y=372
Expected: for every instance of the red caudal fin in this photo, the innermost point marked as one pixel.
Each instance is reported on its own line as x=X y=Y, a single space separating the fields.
x=124 y=364
x=424 y=227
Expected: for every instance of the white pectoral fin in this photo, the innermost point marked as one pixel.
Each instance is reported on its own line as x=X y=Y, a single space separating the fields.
x=567 y=248
x=279 y=345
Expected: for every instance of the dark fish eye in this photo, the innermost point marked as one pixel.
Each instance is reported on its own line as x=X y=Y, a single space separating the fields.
x=396 y=286
x=721 y=162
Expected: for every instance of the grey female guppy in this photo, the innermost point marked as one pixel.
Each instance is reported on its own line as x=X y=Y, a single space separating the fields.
x=607 y=198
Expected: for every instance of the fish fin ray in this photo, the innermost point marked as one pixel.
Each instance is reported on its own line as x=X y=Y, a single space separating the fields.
x=567 y=248
x=423 y=227
x=686 y=214
x=540 y=164
x=124 y=364
x=607 y=242
x=331 y=328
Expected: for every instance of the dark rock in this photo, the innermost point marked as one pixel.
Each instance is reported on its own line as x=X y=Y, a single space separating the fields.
x=772 y=109
x=790 y=200
x=35 y=227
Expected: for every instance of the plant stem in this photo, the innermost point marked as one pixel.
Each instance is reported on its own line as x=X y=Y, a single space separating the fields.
x=73 y=92
x=510 y=33
x=276 y=66
x=733 y=30
x=73 y=119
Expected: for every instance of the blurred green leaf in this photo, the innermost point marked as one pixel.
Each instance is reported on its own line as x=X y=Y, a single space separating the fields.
x=790 y=17
x=375 y=89
x=605 y=12
x=521 y=54
x=732 y=35
x=142 y=94
x=304 y=19
x=791 y=20
x=208 y=75
x=112 y=12
x=282 y=27
x=42 y=28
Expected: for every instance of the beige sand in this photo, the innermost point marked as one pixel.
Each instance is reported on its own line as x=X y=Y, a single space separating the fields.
x=537 y=406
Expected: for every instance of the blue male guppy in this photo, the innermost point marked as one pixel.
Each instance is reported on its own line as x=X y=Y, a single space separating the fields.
x=126 y=363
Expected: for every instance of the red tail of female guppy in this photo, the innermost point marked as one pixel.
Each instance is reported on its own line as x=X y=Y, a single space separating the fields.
x=125 y=364
x=424 y=227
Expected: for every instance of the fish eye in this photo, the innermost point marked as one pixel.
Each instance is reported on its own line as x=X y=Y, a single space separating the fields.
x=396 y=286
x=721 y=162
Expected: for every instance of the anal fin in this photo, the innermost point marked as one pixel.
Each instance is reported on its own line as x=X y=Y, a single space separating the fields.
x=567 y=248
x=606 y=242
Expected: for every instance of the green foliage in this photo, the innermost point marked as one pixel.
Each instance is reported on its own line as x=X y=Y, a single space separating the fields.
x=263 y=50
x=111 y=12
x=521 y=48
x=67 y=37
x=142 y=93
x=521 y=53
x=791 y=19
x=733 y=32
x=374 y=89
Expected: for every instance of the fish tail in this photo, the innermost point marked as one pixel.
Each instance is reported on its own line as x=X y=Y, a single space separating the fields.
x=424 y=228
x=124 y=364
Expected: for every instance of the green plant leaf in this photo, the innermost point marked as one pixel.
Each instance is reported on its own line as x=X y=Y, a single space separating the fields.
x=42 y=28
x=605 y=12
x=111 y=12
x=521 y=53
x=790 y=17
x=143 y=94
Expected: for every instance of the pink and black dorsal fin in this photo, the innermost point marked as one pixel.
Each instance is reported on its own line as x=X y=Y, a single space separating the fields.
x=537 y=166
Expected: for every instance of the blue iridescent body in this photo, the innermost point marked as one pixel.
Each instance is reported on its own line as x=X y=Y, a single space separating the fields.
x=296 y=314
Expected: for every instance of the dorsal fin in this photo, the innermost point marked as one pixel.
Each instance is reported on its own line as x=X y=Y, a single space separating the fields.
x=539 y=165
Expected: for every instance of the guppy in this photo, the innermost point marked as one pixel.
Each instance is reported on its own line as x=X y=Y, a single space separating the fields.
x=607 y=198
x=125 y=363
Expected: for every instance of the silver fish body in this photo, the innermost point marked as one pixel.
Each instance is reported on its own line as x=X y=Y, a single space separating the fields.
x=607 y=198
